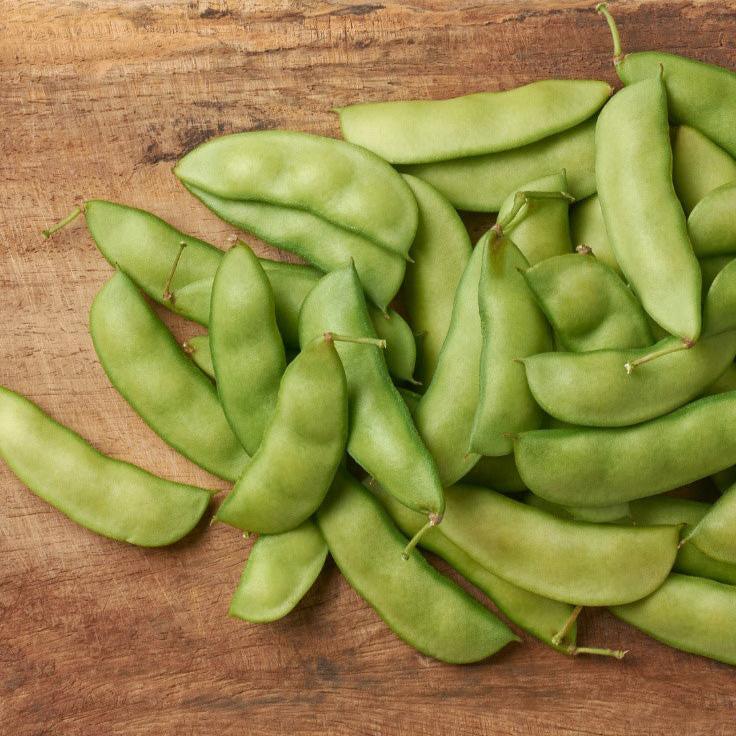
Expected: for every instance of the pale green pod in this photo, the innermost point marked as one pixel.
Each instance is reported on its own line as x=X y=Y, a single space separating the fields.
x=715 y=534
x=712 y=223
x=587 y=227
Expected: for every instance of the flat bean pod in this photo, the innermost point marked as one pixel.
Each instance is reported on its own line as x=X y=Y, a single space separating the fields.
x=309 y=426
x=644 y=219
x=281 y=568
x=712 y=223
x=198 y=349
x=318 y=241
x=482 y=183
x=445 y=414
x=150 y=370
x=588 y=228
x=542 y=229
x=692 y=614
x=421 y=131
x=715 y=533
x=701 y=95
x=382 y=436
x=345 y=185
x=440 y=252
x=690 y=560
x=575 y=562
x=593 y=389
x=109 y=497
x=587 y=304
x=247 y=350
x=600 y=467
x=422 y=607
x=719 y=310
x=539 y=616
x=512 y=328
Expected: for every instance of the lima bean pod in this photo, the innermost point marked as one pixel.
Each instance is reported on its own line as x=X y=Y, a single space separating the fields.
x=644 y=219
x=482 y=183
x=198 y=349
x=715 y=533
x=302 y=446
x=542 y=229
x=587 y=304
x=701 y=95
x=246 y=347
x=382 y=437
x=146 y=365
x=280 y=569
x=421 y=131
x=440 y=252
x=342 y=184
x=422 y=607
x=689 y=613
x=512 y=327
x=575 y=562
x=445 y=413
x=599 y=467
x=109 y=497
x=712 y=223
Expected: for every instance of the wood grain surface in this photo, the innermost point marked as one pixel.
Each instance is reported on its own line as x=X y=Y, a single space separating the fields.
x=99 y=98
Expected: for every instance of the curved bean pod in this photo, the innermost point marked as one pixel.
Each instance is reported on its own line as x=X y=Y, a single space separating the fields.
x=711 y=267
x=715 y=533
x=619 y=513
x=440 y=251
x=541 y=617
x=198 y=349
x=587 y=304
x=247 y=350
x=712 y=223
x=445 y=414
x=420 y=131
x=309 y=425
x=644 y=219
x=512 y=327
x=280 y=569
x=688 y=613
x=482 y=183
x=544 y=228
x=342 y=184
x=382 y=436
x=600 y=467
x=701 y=95
x=109 y=497
x=588 y=228
x=147 y=366
x=422 y=607
x=690 y=560
x=575 y=562
x=719 y=310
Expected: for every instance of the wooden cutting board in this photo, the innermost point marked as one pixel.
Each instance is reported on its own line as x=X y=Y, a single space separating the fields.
x=99 y=99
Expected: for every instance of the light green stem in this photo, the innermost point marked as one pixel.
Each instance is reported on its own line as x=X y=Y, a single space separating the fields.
x=618 y=55
x=168 y=295
x=433 y=520
x=684 y=344
x=558 y=638
x=63 y=223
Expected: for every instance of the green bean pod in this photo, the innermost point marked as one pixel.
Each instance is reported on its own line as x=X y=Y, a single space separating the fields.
x=571 y=561
x=109 y=497
x=711 y=267
x=593 y=389
x=542 y=229
x=147 y=366
x=421 y=131
x=445 y=414
x=588 y=229
x=440 y=252
x=644 y=219
x=715 y=533
x=618 y=513
x=701 y=95
x=318 y=241
x=302 y=446
x=698 y=165
x=401 y=346
x=712 y=223
x=422 y=607
x=688 y=613
x=541 y=617
x=247 y=350
x=600 y=467
x=498 y=473
x=198 y=349
x=382 y=437
x=482 y=183
x=281 y=568
x=587 y=304
x=342 y=184
x=690 y=560
x=512 y=328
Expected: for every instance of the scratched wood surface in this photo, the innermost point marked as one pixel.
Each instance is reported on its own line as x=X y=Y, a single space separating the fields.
x=99 y=98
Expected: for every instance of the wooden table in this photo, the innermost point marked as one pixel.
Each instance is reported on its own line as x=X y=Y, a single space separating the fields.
x=99 y=99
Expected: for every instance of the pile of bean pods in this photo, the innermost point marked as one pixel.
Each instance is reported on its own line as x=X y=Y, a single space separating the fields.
x=579 y=361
